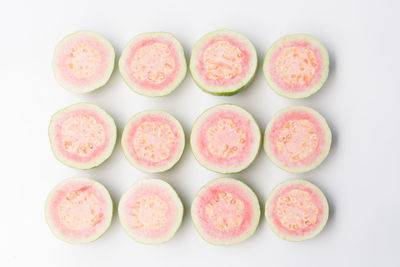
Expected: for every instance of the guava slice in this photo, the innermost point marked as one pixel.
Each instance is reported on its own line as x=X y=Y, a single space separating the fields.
x=297 y=139
x=82 y=135
x=153 y=64
x=223 y=62
x=83 y=61
x=150 y=211
x=225 y=211
x=296 y=210
x=225 y=139
x=296 y=65
x=78 y=210
x=153 y=141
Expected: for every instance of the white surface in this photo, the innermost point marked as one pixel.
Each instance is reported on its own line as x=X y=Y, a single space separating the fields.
x=359 y=100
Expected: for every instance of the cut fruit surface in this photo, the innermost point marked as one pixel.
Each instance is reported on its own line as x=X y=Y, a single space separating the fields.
x=78 y=210
x=153 y=141
x=225 y=139
x=150 y=211
x=225 y=212
x=153 y=64
x=82 y=135
x=83 y=61
x=223 y=62
x=296 y=66
x=297 y=139
x=296 y=210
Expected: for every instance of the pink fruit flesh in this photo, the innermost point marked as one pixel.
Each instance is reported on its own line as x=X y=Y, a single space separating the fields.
x=83 y=60
x=153 y=141
x=81 y=135
x=296 y=66
x=77 y=210
x=222 y=138
x=224 y=211
x=223 y=61
x=297 y=138
x=296 y=210
x=150 y=212
x=153 y=63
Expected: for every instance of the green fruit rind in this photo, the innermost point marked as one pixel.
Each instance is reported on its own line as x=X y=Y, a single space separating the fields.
x=171 y=87
x=177 y=201
x=296 y=238
x=222 y=170
x=57 y=74
x=232 y=241
x=325 y=152
x=91 y=164
x=222 y=90
x=100 y=232
x=181 y=141
x=324 y=73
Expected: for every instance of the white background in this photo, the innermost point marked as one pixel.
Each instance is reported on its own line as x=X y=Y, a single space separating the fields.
x=359 y=100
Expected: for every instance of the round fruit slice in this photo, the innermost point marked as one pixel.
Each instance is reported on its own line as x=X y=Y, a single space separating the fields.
x=153 y=64
x=79 y=210
x=153 y=141
x=296 y=210
x=150 y=211
x=297 y=139
x=225 y=139
x=296 y=66
x=225 y=212
x=223 y=62
x=82 y=135
x=83 y=61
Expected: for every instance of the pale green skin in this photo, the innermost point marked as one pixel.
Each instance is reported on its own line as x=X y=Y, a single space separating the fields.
x=175 y=84
x=225 y=172
x=192 y=64
x=284 y=236
x=53 y=229
x=324 y=74
x=113 y=139
x=179 y=222
x=257 y=215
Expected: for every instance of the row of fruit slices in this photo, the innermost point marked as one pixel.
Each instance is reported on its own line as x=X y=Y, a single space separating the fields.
x=222 y=63
x=225 y=211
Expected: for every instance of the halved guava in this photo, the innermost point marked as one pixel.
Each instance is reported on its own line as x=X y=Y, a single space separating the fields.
x=296 y=210
x=153 y=64
x=83 y=61
x=82 y=135
x=296 y=66
x=225 y=139
x=223 y=62
x=153 y=141
x=78 y=210
x=150 y=211
x=297 y=139
x=225 y=211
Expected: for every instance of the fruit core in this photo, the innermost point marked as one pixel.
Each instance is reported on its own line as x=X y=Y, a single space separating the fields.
x=83 y=60
x=225 y=139
x=149 y=212
x=225 y=211
x=297 y=139
x=153 y=63
x=82 y=134
x=296 y=211
x=222 y=60
x=152 y=141
x=80 y=210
